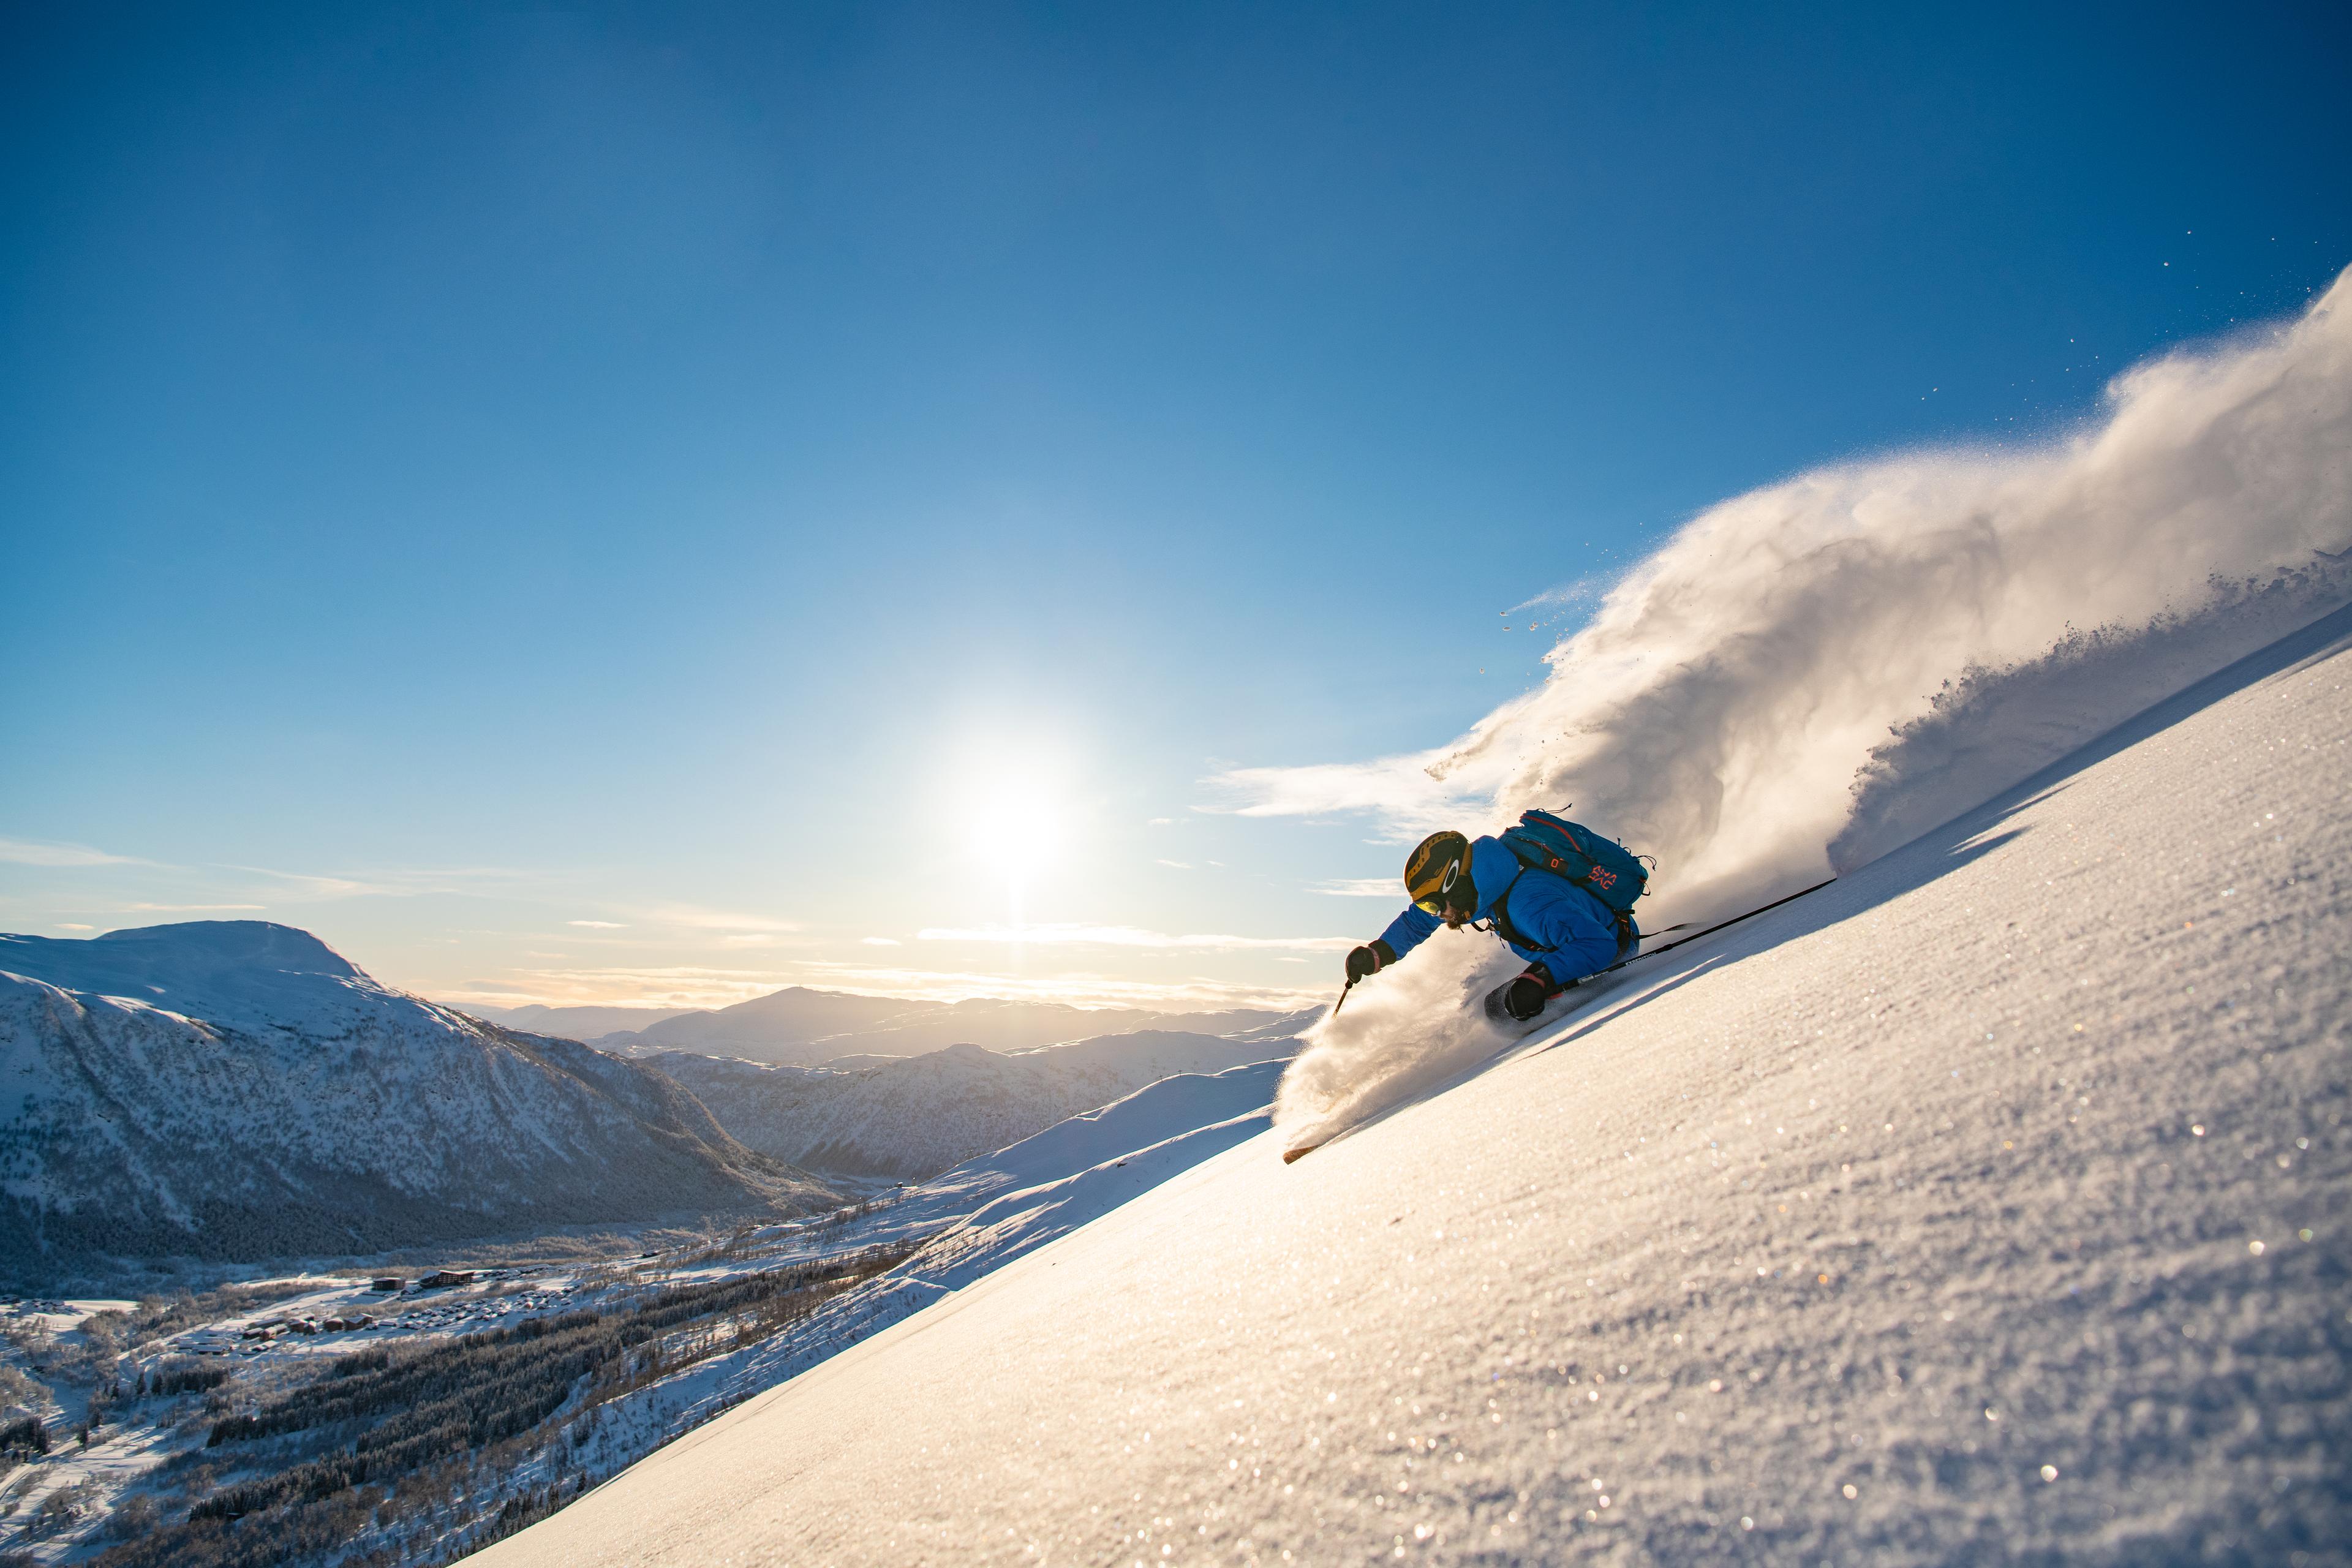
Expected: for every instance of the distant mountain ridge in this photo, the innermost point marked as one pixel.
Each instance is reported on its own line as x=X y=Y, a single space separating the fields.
x=236 y=1090
x=911 y=1118
x=799 y=1026
x=584 y=1024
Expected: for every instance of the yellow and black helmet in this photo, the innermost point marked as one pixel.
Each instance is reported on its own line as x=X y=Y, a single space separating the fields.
x=1437 y=873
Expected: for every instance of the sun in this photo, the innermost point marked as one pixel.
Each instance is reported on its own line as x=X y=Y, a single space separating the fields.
x=1016 y=829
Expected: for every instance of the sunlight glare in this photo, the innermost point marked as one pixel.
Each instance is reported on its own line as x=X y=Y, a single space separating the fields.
x=1015 y=829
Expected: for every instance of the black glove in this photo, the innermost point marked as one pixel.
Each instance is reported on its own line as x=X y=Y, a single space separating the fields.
x=1525 y=999
x=1362 y=961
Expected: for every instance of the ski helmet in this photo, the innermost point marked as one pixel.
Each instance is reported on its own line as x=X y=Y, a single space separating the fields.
x=1437 y=873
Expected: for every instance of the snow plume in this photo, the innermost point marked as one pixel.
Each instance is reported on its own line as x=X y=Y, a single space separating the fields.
x=1998 y=727
x=1820 y=670
x=1402 y=1033
x=1721 y=705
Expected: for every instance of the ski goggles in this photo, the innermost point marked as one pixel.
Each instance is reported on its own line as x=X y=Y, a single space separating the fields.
x=1439 y=897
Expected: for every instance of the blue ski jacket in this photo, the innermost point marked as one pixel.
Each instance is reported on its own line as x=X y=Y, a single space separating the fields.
x=1577 y=933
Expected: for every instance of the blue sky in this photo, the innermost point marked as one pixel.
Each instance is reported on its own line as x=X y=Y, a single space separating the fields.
x=632 y=503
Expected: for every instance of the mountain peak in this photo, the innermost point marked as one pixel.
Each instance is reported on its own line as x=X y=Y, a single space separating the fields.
x=255 y=943
x=358 y=1116
x=224 y=970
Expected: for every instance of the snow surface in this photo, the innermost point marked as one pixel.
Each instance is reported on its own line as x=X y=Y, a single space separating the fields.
x=264 y=1346
x=1986 y=1205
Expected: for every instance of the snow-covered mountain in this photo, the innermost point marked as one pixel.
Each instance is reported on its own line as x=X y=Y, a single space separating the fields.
x=798 y=1026
x=236 y=1090
x=766 y=1028
x=575 y=1023
x=1987 y=1206
x=909 y=1118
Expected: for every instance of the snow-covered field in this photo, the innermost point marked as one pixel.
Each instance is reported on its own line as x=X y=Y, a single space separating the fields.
x=284 y=1338
x=1986 y=1206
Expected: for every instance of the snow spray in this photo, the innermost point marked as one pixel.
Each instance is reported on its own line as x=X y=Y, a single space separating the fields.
x=1807 y=676
x=1410 y=1026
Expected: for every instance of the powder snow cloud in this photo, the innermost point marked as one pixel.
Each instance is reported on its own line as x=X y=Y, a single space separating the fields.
x=1719 y=706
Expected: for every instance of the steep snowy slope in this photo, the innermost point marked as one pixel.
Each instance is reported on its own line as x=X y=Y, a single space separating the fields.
x=1987 y=1206
x=236 y=1090
x=911 y=1118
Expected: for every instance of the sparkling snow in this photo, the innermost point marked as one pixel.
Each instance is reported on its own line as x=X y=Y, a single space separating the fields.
x=1986 y=1205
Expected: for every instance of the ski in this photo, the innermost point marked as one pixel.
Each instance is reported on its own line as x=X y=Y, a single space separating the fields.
x=1717 y=926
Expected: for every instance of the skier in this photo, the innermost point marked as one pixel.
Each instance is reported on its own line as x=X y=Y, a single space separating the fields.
x=1558 y=895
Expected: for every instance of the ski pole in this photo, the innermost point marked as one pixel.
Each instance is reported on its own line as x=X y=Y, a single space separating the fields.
x=1343 y=997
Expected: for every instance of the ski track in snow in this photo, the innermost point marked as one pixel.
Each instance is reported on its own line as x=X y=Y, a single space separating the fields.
x=1988 y=1205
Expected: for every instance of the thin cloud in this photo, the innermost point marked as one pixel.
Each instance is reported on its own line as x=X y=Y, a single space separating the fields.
x=689 y=987
x=597 y=925
x=1173 y=865
x=681 y=986
x=1195 y=993
x=303 y=885
x=33 y=852
x=880 y=942
x=399 y=884
x=1126 y=936
x=693 y=917
x=187 y=909
x=1405 y=792
x=74 y=925
x=1359 y=888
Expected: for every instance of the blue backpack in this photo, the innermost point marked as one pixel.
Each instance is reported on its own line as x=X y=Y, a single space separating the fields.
x=1602 y=867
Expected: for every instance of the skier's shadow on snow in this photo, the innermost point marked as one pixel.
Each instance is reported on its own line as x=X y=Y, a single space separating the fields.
x=1945 y=849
